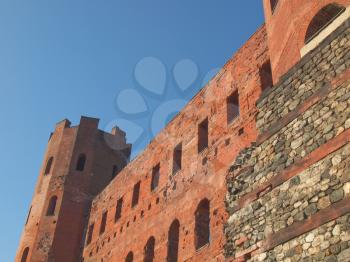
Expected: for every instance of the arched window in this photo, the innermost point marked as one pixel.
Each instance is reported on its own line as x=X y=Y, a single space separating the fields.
x=25 y=254
x=129 y=257
x=81 y=163
x=323 y=18
x=202 y=224
x=149 y=250
x=52 y=206
x=173 y=241
x=273 y=4
x=48 y=166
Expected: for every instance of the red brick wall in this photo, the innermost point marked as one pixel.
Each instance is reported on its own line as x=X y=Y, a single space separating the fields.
x=286 y=29
x=60 y=236
x=202 y=174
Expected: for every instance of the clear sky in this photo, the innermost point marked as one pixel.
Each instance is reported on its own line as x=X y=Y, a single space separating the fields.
x=127 y=62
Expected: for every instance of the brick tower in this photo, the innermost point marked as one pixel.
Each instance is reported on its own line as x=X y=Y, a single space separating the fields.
x=79 y=162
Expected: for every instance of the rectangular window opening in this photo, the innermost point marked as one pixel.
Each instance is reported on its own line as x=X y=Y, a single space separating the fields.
x=177 y=158
x=136 y=194
x=118 y=210
x=155 y=177
x=203 y=135
x=265 y=73
x=90 y=232
x=232 y=107
x=103 y=222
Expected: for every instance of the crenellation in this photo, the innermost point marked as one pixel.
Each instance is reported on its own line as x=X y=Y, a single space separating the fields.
x=254 y=168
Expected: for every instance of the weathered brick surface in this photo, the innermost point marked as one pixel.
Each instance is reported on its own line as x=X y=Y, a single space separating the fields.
x=59 y=237
x=287 y=194
x=202 y=175
x=286 y=36
x=284 y=186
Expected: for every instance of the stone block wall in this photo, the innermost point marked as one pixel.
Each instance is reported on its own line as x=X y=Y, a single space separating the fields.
x=292 y=184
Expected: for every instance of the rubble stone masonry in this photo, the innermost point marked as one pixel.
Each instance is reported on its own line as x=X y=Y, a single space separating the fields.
x=288 y=194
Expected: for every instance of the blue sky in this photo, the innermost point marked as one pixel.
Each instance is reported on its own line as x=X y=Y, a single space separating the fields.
x=65 y=58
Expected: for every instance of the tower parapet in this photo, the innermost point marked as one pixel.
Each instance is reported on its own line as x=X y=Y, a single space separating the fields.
x=79 y=162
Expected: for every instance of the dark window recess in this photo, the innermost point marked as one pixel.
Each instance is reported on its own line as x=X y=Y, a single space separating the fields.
x=241 y=131
x=155 y=177
x=118 y=210
x=52 y=206
x=177 y=158
x=115 y=171
x=136 y=194
x=25 y=254
x=129 y=257
x=30 y=211
x=322 y=19
x=149 y=250
x=90 y=233
x=273 y=4
x=202 y=224
x=173 y=241
x=265 y=74
x=232 y=106
x=203 y=135
x=81 y=163
x=103 y=222
x=48 y=166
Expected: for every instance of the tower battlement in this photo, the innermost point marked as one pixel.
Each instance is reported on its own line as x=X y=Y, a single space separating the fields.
x=254 y=168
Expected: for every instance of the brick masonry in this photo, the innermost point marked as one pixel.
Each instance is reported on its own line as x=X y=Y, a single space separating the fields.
x=288 y=194
x=275 y=177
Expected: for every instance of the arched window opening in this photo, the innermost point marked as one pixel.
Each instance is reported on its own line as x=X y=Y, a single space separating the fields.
x=202 y=224
x=149 y=250
x=25 y=254
x=265 y=73
x=173 y=241
x=48 y=166
x=81 y=163
x=322 y=19
x=129 y=257
x=52 y=206
x=273 y=4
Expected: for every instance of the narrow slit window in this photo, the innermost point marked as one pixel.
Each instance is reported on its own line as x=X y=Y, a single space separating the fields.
x=30 y=211
x=203 y=135
x=81 y=162
x=155 y=177
x=273 y=4
x=103 y=222
x=118 y=210
x=90 y=233
x=136 y=194
x=48 y=166
x=25 y=254
x=232 y=106
x=265 y=74
x=177 y=158
x=52 y=206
